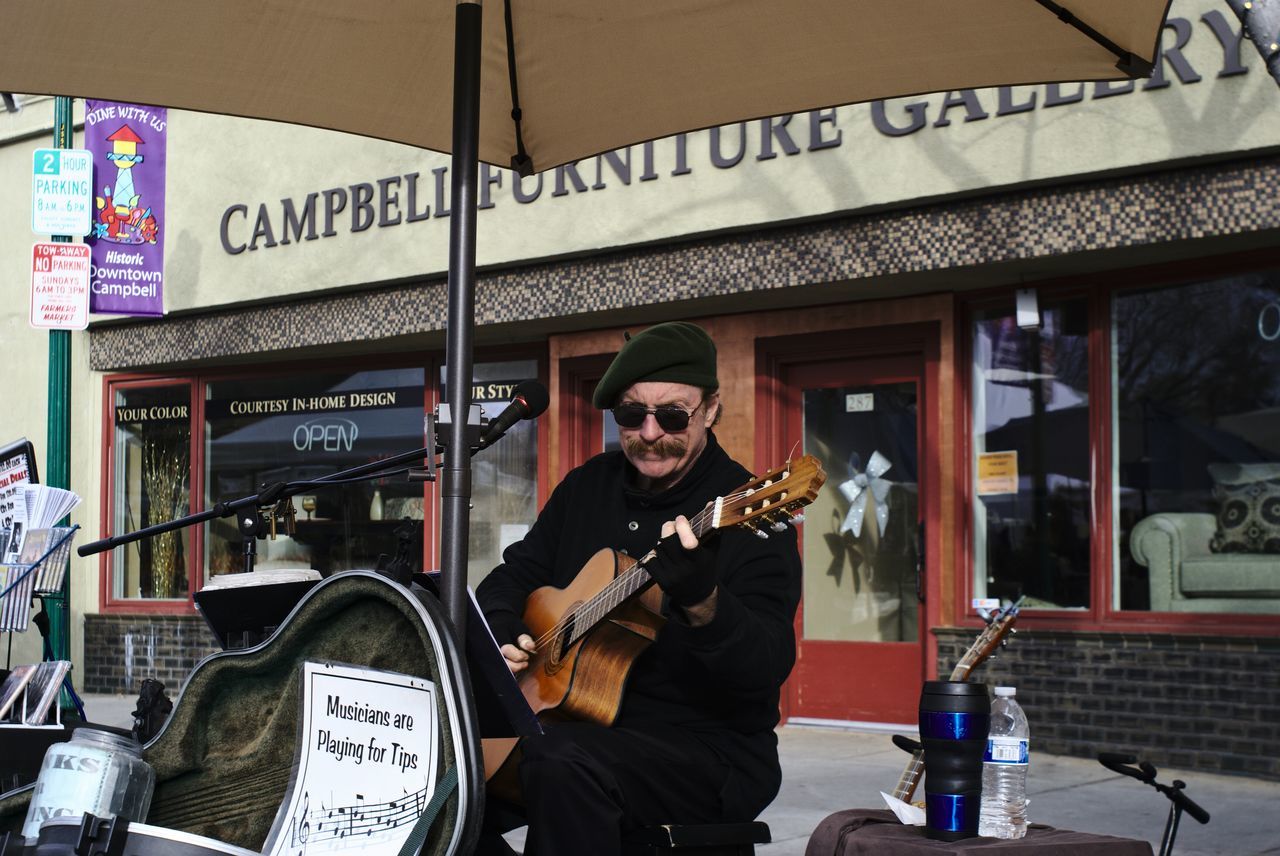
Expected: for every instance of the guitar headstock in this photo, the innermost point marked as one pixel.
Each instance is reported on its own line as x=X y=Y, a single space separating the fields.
x=999 y=626
x=773 y=498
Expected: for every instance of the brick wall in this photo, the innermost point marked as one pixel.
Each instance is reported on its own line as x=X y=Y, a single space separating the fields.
x=1196 y=702
x=122 y=650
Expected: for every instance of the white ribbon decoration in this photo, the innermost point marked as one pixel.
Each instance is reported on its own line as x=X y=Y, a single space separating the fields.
x=855 y=491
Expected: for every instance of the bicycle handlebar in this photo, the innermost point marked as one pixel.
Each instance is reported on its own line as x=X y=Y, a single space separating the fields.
x=1145 y=772
x=1188 y=805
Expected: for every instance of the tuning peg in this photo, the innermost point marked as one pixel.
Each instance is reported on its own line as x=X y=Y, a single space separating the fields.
x=761 y=534
x=778 y=526
x=290 y=516
x=799 y=518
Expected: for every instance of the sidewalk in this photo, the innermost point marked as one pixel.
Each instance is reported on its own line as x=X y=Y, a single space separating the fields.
x=829 y=769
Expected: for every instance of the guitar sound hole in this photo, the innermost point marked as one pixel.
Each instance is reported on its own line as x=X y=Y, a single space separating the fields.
x=560 y=645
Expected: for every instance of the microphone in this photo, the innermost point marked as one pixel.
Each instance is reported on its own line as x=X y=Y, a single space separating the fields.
x=529 y=401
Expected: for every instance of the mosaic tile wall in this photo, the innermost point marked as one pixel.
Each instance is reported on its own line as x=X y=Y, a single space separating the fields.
x=1223 y=199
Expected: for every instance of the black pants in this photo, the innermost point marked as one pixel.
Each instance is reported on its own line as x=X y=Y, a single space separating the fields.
x=585 y=786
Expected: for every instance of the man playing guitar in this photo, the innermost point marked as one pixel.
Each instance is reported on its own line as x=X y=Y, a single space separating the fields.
x=692 y=739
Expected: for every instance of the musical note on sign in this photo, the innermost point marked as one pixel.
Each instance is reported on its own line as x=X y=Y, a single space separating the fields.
x=359 y=818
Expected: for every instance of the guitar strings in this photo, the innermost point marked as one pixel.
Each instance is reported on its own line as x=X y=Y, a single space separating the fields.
x=630 y=579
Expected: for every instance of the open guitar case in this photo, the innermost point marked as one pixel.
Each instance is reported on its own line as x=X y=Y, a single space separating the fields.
x=224 y=759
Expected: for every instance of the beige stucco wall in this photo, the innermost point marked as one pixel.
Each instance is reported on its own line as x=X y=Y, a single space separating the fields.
x=24 y=354
x=217 y=162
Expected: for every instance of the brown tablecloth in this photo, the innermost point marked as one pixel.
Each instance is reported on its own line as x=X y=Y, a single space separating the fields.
x=858 y=831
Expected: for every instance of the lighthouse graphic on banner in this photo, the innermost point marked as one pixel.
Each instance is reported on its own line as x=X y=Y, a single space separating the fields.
x=127 y=242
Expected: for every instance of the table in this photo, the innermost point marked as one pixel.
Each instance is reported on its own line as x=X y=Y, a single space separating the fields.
x=866 y=831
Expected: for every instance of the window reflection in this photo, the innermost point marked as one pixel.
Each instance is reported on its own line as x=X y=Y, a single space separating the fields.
x=504 y=477
x=1031 y=461
x=1196 y=411
x=860 y=540
x=264 y=430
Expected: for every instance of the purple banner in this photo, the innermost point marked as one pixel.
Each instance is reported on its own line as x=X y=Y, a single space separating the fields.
x=127 y=241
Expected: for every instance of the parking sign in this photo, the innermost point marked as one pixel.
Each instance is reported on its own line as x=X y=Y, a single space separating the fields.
x=61 y=191
x=59 y=286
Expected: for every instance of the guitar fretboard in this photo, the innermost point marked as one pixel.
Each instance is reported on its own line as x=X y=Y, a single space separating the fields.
x=628 y=583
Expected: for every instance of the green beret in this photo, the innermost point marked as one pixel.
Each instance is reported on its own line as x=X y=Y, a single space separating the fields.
x=676 y=352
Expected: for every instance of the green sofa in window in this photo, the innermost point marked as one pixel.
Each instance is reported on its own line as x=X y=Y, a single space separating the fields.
x=1186 y=576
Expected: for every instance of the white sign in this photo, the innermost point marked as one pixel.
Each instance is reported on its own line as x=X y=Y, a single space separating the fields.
x=366 y=766
x=60 y=286
x=859 y=402
x=61 y=191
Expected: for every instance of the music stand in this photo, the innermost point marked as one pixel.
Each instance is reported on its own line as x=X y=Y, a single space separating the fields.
x=500 y=706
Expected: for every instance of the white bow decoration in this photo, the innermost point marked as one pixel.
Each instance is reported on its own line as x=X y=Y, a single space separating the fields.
x=855 y=491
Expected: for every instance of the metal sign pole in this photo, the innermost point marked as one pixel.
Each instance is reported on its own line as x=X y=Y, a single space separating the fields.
x=58 y=442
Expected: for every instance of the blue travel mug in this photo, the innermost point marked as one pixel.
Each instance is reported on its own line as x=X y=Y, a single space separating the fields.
x=954 y=719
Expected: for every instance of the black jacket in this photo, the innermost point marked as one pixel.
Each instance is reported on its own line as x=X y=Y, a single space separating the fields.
x=720 y=681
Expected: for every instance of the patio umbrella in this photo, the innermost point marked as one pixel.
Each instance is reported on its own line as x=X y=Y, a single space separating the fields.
x=539 y=84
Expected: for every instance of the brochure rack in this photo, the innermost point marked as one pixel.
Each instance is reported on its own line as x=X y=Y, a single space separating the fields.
x=42 y=578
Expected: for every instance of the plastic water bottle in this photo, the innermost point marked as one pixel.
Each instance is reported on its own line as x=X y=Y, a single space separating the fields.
x=1004 y=769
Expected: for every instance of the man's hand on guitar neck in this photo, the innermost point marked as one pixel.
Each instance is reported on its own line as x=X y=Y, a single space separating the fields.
x=685 y=571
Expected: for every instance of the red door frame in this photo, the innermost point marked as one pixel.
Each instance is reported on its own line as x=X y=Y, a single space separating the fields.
x=581 y=425
x=775 y=355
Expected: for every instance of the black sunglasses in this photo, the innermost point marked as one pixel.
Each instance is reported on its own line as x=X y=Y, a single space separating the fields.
x=671 y=418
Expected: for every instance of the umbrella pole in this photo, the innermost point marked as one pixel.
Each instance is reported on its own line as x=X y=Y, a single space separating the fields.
x=455 y=477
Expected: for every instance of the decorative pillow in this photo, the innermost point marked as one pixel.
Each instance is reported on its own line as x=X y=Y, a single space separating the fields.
x=1224 y=473
x=1248 y=517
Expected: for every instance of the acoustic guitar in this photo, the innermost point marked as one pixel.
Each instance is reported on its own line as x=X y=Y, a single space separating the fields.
x=999 y=626
x=589 y=634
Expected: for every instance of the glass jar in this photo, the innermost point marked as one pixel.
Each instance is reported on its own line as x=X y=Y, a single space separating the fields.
x=96 y=772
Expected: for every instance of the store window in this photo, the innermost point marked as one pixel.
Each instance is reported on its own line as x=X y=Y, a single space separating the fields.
x=1031 y=478
x=504 y=477
x=151 y=460
x=251 y=431
x=259 y=431
x=861 y=542
x=1196 y=444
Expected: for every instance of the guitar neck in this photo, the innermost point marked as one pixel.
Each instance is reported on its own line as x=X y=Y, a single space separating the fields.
x=634 y=580
x=910 y=777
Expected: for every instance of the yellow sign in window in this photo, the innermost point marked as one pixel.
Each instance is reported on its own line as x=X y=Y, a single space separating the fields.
x=997 y=473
